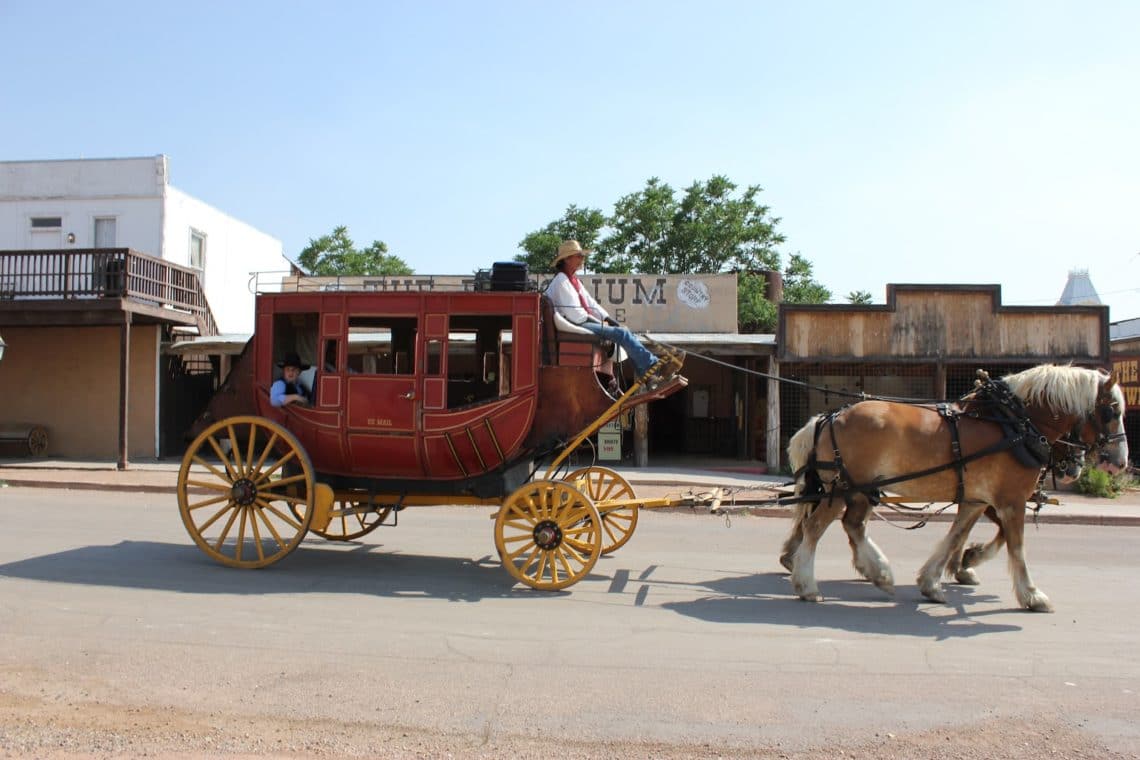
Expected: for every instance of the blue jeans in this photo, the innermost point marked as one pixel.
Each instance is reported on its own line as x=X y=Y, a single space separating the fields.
x=642 y=357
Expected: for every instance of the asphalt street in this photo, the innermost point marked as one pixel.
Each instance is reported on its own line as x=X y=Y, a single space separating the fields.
x=688 y=635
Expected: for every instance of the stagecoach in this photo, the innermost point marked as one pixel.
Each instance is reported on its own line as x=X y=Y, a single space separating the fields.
x=419 y=397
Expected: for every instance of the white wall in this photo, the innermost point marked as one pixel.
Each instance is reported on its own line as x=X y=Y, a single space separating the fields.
x=150 y=216
x=84 y=178
x=233 y=250
x=136 y=222
x=128 y=189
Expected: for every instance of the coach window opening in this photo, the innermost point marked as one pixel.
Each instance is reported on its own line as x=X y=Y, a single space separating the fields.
x=380 y=345
x=297 y=332
x=477 y=359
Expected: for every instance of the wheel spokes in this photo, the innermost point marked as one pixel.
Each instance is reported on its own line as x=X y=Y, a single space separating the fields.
x=548 y=534
x=272 y=515
x=226 y=530
x=225 y=460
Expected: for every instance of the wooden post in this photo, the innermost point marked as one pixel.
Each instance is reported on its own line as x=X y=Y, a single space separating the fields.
x=742 y=411
x=773 y=415
x=940 y=379
x=124 y=385
x=641 y=435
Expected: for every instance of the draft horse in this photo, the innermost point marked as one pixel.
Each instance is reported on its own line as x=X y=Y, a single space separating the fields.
x=984 y=453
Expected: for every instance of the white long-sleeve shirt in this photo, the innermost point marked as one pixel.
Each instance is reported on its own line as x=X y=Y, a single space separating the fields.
x=564 y=297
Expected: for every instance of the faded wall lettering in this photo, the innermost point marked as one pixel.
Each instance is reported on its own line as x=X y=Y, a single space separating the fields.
x=619 y=296
x=657 y=295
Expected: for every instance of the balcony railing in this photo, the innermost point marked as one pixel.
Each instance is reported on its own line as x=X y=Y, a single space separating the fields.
x=105 y=273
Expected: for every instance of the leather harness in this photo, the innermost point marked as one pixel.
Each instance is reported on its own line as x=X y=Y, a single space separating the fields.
x=1021 y=438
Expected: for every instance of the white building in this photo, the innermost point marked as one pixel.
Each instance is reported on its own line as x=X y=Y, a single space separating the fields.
x=130 y=203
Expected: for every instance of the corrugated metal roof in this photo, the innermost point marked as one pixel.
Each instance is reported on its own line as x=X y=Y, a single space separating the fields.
x=1125 y=329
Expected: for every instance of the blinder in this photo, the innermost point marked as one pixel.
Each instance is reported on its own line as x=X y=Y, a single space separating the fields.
x=1102 y=416
x=1105 y=413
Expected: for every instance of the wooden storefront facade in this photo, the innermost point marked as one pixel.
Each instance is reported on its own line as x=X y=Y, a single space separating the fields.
x=926 y=342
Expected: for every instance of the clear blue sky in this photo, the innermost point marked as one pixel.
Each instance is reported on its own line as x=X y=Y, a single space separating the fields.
x=976 y=141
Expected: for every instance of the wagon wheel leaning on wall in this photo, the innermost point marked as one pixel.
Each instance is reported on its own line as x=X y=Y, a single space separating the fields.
x=548 y=534
x=38 y=441
x=602 y=484
x=246 y=491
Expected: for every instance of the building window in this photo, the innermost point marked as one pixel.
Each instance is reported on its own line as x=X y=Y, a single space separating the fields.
x=105 y=236
x=47 y=222
x=197 y=249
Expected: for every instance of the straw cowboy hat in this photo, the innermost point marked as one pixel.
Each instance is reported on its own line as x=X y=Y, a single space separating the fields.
x=292 y=360
x=567 y=249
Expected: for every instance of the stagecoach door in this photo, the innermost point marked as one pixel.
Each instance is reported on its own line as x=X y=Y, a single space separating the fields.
x=383 y=402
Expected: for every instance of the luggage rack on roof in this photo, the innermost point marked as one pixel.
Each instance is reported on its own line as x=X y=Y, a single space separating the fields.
x=503 y=276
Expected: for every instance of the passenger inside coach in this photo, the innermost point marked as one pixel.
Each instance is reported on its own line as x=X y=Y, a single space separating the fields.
x=289 y=388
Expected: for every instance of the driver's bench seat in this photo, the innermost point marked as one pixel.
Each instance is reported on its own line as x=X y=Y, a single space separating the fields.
x=565 y=344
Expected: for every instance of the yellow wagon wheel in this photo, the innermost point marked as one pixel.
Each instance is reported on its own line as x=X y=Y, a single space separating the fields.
x=354 y=521
x=253 y=502
x=548 y=536
x=602 y=484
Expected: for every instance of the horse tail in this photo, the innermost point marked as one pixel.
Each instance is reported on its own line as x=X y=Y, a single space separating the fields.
x=801 y=458
x=800 y=449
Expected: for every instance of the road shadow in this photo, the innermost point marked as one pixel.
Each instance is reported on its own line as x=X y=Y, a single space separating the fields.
x=850 y=605
x=366 y=569
x=371 y=569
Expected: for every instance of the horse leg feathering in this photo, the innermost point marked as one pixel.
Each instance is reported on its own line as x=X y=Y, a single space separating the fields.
x=963 y=559
x=867 y=558
x=930 y=576
x=803 y=560
x=1013 y=525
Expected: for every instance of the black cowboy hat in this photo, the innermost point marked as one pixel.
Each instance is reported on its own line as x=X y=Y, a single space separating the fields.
x=292 y=360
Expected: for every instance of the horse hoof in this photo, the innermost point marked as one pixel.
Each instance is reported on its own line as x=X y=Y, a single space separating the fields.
x=967 y=577
x=814 y=596
x=786 y=561
x=935 y=594
x=1038 y=602
x=887 y=586
x=972 y=555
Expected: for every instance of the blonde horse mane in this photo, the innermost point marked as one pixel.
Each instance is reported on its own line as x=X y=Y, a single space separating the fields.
x=1062 y=388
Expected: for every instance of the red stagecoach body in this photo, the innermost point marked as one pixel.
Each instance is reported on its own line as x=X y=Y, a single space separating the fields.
x=428 y=390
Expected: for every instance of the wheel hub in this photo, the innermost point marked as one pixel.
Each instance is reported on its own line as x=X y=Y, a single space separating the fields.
x=244 y=492
x=547 y=534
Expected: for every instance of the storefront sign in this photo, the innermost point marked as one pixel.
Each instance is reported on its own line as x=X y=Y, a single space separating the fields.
x=1127 y=369
x=609 y=446
x=683 y=303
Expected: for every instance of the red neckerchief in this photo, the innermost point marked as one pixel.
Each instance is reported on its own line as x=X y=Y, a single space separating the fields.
x=580 y=290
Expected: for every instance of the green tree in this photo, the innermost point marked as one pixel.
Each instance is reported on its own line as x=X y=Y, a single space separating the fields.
x=581 y=224
x=754 y=312
x=859 y=297
x=712 y=227
x=336 y=255
x=799 y=284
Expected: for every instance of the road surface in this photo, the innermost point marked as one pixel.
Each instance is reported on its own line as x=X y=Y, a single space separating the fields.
x=119 y=638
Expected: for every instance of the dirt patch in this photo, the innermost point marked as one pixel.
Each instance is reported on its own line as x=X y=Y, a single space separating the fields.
x=56 y=731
